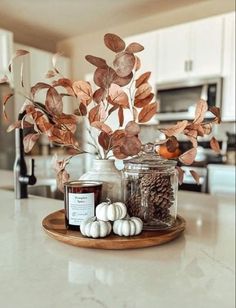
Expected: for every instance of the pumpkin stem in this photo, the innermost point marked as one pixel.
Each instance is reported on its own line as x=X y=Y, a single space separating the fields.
x=108 y=200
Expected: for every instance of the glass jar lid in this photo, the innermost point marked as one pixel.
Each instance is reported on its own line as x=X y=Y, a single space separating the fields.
x=149 y=158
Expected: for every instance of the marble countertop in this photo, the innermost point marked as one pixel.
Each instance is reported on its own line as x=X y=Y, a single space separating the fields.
x=195 y=270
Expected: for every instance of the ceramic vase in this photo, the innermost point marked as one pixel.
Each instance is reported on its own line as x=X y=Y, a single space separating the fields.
x=104 y=170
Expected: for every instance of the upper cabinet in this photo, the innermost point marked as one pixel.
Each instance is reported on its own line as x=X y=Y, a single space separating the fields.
x=228 y=98
x=190 y=50
x=6 y=48
x=173 y=53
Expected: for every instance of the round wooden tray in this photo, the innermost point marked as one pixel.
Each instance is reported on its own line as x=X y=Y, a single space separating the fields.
x=54 y=225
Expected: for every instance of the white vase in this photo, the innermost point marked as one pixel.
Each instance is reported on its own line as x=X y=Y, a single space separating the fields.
x=104 y=170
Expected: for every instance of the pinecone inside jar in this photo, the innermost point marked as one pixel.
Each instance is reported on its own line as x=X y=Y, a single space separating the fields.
x=150 y=197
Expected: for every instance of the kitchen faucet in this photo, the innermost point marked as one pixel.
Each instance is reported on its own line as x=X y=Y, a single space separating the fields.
x=21 y=178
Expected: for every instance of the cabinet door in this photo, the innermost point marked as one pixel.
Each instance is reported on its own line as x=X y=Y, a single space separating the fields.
x=228 y=98
x=148 y=55
x=172 y=53
x=6 y=49
x=206 y=47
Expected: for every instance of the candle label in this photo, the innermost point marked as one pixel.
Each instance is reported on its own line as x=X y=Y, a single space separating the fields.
x=81 y=206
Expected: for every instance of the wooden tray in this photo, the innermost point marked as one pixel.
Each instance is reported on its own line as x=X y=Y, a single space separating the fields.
x=54 y=225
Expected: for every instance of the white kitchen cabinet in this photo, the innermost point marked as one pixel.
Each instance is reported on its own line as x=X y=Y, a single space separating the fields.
x=190 y=50
x=148 y=55
x=6 y=49
x=173 y=53
x=221 y=179
x=228 y=98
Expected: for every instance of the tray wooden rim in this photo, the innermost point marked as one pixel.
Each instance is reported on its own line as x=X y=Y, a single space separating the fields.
x=145 y=239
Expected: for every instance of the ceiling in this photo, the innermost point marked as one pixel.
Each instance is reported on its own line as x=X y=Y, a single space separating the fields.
x=55 y=20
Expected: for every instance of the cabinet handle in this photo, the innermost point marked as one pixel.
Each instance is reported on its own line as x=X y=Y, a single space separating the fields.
x=186 y=66
x=190 y=65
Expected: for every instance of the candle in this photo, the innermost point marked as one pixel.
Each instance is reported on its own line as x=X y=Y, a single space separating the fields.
x=81 y=199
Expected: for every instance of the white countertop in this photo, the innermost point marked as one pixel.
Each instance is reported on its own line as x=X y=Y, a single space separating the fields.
x=195 y=270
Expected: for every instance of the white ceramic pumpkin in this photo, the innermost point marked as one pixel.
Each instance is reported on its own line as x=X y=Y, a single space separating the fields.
x=111 y=211
x=128 y=227
x=91 y=227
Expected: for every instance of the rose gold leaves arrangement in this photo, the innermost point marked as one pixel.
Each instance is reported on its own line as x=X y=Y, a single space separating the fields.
x=139 y=103
x=188 y=157
x=103 y=77
x=215 y=145
x=114 y=42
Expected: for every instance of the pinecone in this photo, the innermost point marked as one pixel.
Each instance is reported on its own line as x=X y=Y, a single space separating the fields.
x=150 y=197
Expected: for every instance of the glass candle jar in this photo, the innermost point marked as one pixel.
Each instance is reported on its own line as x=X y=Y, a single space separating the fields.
x=81 y=199
x=150 y=186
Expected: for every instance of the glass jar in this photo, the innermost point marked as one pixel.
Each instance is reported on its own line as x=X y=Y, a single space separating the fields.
x=150 y=185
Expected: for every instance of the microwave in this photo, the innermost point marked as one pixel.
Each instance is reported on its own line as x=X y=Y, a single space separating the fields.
x=177 y=100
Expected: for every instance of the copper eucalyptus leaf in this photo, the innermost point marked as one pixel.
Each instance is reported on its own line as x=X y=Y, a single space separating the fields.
x=112 y=109
x=19 y=53
x=83 y=91
x=172 y=144
x=104 y=140
x=38 y=87
x=195 y=176
x=5 y=101
x=83 y=109
x=188 y=157
x=118 y=154
x=62 y=177
x=131 y=146
x=99 y=95
x=132 y=128
x=180 y=174
x=140 y=103
x=103 y=77
x=147 y=113
x=66 y=84
x=124 y=63
x=68 y=120
x=50 y=74
x=121 y=116
x=29 y=141
x=137 y=64
x=207 y=127
x=142 y=79
x=215 y=145
x=123 y=81
x=94 y=114
x=43 y=124
x=102 y=127
x=117 y=96
x=11 y=127
x=216 y=111
x=175 y=129
x=200 y=111
x=114 y=42
x=53 y=101
x=143 y=91
x=134 y=47
x=96 y=61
